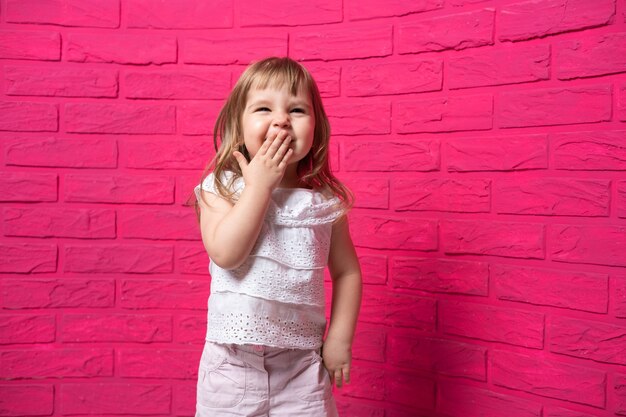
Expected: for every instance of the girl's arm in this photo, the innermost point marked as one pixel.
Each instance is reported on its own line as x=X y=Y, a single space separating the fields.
x=345 y=271
x=229 y=231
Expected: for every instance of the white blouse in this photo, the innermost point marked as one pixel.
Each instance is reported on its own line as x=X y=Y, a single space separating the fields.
x=276 y=297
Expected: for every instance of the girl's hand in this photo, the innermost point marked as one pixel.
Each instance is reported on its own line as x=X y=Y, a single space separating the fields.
x=267 y=167
x=337 y=356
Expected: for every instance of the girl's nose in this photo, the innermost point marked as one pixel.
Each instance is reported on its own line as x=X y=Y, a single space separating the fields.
x=281 y=120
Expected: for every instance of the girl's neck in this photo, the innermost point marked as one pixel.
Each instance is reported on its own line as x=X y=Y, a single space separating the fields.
x=291 y=179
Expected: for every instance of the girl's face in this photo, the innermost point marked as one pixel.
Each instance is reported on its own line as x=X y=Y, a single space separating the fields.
x=270 y=110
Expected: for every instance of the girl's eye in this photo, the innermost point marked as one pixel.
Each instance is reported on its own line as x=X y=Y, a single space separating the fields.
x=263 y=109
x=298 y=110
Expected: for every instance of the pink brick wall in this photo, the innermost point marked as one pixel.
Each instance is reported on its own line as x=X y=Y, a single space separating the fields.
x=486 y=143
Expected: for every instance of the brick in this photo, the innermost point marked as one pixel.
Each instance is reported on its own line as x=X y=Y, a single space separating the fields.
x=168 y=294
x=121 y=49
x=592 y=56
x=509 y=65
x=552 y=196
x=357 y=10
x=599 y=150
x=29 y=117
x=81 y=13
x=554 y=106
x=59 y=222
x=59 y=82
x=494 y=324
x=226 y=47
x=26 y=400
x=28 y=186
x=338 y=42
x=398 y=310
x=56 y=363
x=327 y=77
x=184 y=399
x=166 y=154
x=369 y=343
x=548 y=378
x=120 y=118
x=393 y=78
x=621 y=104
x=370 y=192
x=374 y=269
x=115 y=398
x=30 y=45
x=461 y=3
x=119 y=189
x=190 y=329
x=115 y=328
x=157 y=224
x=509 y=153
x=457 y=31
x=562 y=412
x=440 y=275
x=366 y=382
x=181 y=84
x=289 y=13
x=602 y=245
x=359 y=116
x=136 y=258
x=28 y=258
x=531 y=19
x=618 y=295
x=61 y=152
x=410 y=390
x=350 y=408
x=182 y=14
x=620 y=199
x=392 y=155
x=619 y=395
x=444 y=114
x=197 y=118
x=440 y=356
x=514 y=240
x=160 y=363
x=458 y=400
x=193 y=259
x=593 y=340
x=394 y=232
x=22 y=328
x=566 y=289
x=437 y=194
x=57 y=293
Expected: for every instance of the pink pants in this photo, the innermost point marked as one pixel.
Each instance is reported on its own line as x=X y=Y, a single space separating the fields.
x=253 y=380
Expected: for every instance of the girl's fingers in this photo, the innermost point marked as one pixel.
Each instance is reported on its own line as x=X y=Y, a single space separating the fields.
x=282 y=150
x=241 y=160
x=275 y=144
x=283 y=163
x=346 y=374
x=338 y=378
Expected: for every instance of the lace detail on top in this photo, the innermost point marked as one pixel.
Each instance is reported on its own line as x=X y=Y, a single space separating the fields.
x=272 y=281
x=276 y=297
x=241 y=319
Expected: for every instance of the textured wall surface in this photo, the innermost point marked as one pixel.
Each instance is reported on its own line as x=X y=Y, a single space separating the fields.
x=486 y=144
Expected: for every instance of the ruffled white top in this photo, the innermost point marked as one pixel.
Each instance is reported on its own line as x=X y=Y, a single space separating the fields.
x=276 y=297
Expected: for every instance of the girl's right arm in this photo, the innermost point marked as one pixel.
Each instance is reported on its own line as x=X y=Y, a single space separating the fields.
x=229 y=231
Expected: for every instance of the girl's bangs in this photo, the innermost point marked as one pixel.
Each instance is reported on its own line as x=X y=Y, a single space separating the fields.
x=279 y=77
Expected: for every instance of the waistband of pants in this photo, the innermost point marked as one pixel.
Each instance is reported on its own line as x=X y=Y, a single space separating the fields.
x=263 y=349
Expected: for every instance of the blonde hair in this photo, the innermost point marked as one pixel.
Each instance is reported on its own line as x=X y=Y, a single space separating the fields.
x=313 y=169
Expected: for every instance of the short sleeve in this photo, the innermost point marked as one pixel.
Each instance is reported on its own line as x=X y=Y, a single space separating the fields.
x=209 y=184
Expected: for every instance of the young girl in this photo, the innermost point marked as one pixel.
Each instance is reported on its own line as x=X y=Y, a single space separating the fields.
x=272 y=216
